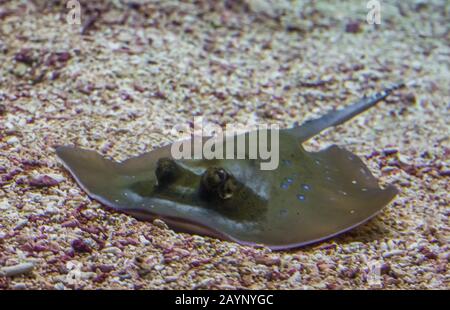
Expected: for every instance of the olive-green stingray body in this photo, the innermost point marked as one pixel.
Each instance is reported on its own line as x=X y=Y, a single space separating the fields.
x=311 y=196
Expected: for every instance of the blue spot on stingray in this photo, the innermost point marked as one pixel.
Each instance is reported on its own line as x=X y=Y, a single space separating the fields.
x=284 y=186
x=287 y=182
x=306 y=187
x=301 y=197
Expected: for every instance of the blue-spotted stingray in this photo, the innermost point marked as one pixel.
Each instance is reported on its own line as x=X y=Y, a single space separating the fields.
x=310 y=197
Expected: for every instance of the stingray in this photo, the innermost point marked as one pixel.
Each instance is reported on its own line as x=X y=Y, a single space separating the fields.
x=309 y=197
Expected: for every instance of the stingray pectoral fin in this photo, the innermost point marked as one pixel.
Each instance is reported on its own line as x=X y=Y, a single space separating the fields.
x=332 y=193
x=97 y=175
x=347 y=192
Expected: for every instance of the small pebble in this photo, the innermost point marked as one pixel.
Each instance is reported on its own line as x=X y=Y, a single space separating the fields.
x=113 y=250
x=19 y=269
x=393 y=253
x=44 y=181
x=353 y=27
x=160 y=223
x=4 y=205
x=12 y=140
x=19 y=286
x=80 y=246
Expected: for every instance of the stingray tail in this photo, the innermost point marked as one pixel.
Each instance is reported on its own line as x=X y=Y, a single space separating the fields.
x=336 y=117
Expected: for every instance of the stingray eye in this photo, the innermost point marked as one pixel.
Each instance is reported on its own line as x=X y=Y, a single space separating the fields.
x=222 y=175
x=214 y=177
x=166 y=171
x=218 y=182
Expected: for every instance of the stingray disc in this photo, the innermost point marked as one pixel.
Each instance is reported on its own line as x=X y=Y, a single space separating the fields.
x=311 y=196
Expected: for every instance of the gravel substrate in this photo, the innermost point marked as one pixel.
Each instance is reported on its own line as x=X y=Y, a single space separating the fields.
x=140 y=68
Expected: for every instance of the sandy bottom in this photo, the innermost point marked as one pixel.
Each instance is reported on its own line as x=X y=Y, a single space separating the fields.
x=138 y=70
